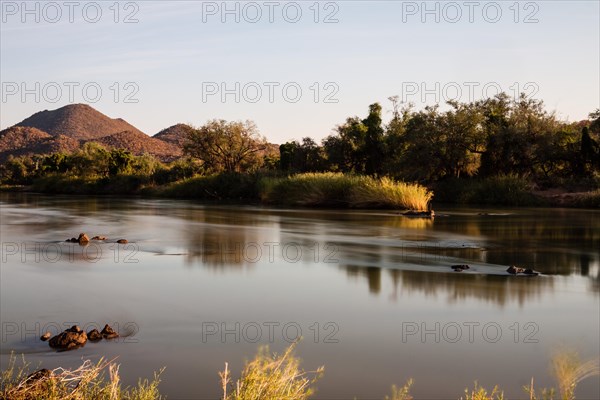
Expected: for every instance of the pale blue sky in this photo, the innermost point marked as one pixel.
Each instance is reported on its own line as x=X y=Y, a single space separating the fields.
x=369 y=55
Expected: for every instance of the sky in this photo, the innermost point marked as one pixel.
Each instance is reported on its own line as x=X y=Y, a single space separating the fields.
x=296 y=69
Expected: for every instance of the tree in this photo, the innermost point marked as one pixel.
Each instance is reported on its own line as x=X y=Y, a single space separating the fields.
x=120 y=162
x=304 y=157
x=373 y=149
x=226 y=146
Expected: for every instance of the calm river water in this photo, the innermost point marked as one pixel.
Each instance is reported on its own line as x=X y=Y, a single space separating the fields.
x=370 y=292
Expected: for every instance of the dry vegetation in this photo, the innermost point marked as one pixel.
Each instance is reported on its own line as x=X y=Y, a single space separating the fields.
x=267 y=376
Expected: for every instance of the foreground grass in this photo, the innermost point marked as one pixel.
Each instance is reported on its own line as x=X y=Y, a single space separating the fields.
x=271 y=377
x=88 y=382
x=266 y=377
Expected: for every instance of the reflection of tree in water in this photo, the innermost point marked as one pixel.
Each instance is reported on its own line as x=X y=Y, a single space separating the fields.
x=373 y=275
x=551 y=244
x=457 y=286
x=222 y=238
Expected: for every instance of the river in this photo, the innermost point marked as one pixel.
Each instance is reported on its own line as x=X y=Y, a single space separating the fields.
x=371 y=292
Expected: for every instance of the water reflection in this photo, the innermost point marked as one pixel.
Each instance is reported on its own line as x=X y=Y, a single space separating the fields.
x=415 y=252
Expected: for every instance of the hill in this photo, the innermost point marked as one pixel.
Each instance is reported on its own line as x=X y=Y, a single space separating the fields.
x=175 y=134
x=77 y=121
x=19 y=141
x=139 y=143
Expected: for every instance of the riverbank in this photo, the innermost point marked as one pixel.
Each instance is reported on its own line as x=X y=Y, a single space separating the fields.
x=332 y=190
x=329 y=190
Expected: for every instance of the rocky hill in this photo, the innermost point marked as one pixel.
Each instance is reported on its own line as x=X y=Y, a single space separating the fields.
x=66 y=129
x=77 y=121
x=20 y=141
x=139 y=143
x=175 y=134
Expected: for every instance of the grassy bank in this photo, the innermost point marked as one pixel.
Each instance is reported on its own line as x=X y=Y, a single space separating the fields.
x=304 y=190
x=268 y=376
x=334 y=190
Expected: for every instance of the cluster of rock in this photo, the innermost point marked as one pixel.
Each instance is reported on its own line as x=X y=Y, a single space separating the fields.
x=459 y=268
x=75 y=337
x=513 y=270
x=84 y=239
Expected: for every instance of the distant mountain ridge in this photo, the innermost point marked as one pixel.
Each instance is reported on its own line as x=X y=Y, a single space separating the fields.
x=67 y=128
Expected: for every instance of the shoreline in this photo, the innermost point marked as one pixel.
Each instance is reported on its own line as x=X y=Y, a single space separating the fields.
x=550 y=198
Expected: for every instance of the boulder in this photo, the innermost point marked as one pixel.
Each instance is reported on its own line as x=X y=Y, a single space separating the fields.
x=37 y=376
x=122 y=241
x=70 y=339
x=99 y=238
x=94 y=335
x=83 y=238
x=109 y=333
x=459 y=268
x=45 y=336
x=513 y=270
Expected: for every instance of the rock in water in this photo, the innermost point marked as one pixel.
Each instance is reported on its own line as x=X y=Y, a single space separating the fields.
x=122 y=241
x=459 y=268
x=70 y=339
x=109 y=333
x=83 y=238
x=99 y=238
x=45 y=336
x=94 y=335
x=513 y=270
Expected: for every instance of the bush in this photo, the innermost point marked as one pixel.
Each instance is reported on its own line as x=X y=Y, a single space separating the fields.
x=507 y=190
x=225 y=186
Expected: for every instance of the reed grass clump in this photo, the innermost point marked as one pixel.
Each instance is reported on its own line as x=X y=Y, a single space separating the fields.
x=341 y=190
x=270 y=376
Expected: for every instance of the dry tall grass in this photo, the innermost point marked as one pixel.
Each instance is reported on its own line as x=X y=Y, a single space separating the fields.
x=87 y=382
x=272 y=377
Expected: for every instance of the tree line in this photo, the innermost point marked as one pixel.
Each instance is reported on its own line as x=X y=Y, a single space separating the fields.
x=492 y=137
